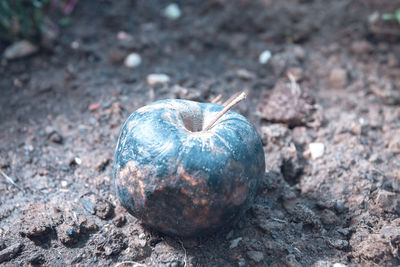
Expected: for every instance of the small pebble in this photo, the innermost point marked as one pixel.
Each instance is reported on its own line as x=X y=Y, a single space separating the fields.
x=256 y=256
x=93 y=107
x=241 y=262
x=157 y=78
x=299 y=52
x=20 y=49
x=119 y=220
x=245 y=74
x=339 y=206
x=133 y=60
x=116 y=56
x=361 y=47
x=338 y=78
x=172 y=11
x=64 y=183
x=124 y=36
x=339 y=265
x=229 y=235
x=75 y=45
x=75 y=161
x=88 y=205
x=235 y=242
x=316 y=150
x=142 y=243
x=53 y=135
x=264 y=57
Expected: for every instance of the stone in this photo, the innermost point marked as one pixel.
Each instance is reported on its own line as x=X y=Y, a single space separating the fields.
x=329 y=217
x=361 y=47
x=317 y=150
x=116 y=56
x=264 y=57
x=256 y=256
x=20 y=49
x=339 y=206
x=119 y=220
x=299 y=52
x=245 y=74
x=157 y=79
x=291 y=261
x=68 y=234
x=338 y=243
x=56 y=138
x=387 y=201
x=241 y=262
x=338 y=78
x=235 y=242
x=133 y=60
x=172 y=11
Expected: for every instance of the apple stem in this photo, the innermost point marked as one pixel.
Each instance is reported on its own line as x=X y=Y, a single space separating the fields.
x=229 y=105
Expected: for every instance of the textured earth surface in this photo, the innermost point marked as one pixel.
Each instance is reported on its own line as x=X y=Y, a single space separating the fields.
x=326 y=105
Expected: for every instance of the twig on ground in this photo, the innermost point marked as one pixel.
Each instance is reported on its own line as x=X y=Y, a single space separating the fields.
x=11 y=181
x=134 y=263
x=184 y=249
x=294 y=86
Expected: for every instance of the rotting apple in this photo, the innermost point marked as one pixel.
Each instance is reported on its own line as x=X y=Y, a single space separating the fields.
x=181 y=179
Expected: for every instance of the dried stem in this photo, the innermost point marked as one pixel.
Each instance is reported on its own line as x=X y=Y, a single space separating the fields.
x=230 y=99
x=10 y=180
x=134 y=263
x=227 y=107
x=217 y=99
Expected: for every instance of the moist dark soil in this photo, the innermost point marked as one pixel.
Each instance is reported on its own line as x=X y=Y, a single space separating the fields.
x=331 y=132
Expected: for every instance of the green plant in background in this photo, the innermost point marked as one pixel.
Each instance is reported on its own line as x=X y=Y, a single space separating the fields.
x=21 y=19
x=392 y=16
x=28 y=19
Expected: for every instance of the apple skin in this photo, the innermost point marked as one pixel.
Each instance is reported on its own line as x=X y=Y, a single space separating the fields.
x=183 y=181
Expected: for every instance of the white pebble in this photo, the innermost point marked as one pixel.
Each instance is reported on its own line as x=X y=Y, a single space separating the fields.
x=339 y=265
x=264 y=57
x=20 y=49
x=235 y=242
x=172 y=11
x=133 y=60
x=157 y=78
x=316 y=150
x=75 y=45
x=64 y=183
x=142 y=243
x=78 y=160
x=124 y=36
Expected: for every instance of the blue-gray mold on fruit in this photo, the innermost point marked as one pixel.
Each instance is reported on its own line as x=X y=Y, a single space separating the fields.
x=179 y=179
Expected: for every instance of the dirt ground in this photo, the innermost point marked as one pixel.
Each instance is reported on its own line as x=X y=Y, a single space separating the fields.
x=62 y=110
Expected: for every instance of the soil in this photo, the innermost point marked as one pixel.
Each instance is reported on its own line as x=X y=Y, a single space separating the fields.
x=62 y=110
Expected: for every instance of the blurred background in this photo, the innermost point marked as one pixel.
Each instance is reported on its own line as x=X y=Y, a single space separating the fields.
x=323 y=84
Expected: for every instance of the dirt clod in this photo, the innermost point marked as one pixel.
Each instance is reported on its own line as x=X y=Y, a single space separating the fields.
x=10 y=252
x=289 y=105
